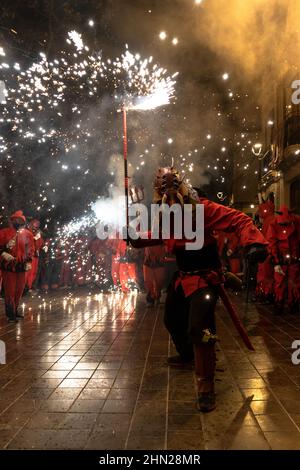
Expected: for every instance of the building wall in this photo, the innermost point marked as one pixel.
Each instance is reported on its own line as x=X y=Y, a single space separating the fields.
x=284 y=142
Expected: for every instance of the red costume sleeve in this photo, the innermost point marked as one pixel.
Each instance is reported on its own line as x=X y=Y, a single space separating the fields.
x=226 y=219
x=216 y=218
x=221 y=240
x=6 y=234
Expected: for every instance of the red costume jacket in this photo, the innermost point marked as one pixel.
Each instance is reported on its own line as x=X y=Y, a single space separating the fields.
x=22 y=247
x=284 y=241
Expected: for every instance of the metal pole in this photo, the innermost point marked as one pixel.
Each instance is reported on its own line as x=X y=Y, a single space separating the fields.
x=125 y=150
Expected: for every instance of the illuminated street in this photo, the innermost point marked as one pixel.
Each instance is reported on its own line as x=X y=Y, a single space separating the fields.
x=90 y=373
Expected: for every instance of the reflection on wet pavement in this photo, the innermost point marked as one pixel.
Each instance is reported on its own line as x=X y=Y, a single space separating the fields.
x=88 y=372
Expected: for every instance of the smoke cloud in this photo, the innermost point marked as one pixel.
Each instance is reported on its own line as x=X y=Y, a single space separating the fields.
x=261 y=38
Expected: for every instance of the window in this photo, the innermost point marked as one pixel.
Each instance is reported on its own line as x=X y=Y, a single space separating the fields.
x=292 y=131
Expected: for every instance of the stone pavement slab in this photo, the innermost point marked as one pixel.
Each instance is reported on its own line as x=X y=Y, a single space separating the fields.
x=88 y=371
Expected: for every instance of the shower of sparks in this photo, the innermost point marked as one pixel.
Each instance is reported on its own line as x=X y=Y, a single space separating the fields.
x=76 y=39
x=49 y=104
x=38 y=98
x=160 y=95
x=77 y=226
x=148 y=86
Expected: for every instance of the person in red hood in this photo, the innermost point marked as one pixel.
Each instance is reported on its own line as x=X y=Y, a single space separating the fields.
x=31 y=275
x=193 y=293
x=284 y=244
x=265 y=272
x=16 y=253
x=123 y=267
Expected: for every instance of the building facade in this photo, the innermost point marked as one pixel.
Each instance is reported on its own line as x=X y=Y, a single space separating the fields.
x=281 y=148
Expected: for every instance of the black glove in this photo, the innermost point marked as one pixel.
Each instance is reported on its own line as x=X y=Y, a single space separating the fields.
x=256 y=253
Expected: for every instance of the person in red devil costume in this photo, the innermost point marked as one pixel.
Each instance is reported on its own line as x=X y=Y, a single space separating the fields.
x=114 y=246
x=284 y=244
x=16 y=253
x=31 y=275
x=193 y=293
x=123 y=267
x=265 y=272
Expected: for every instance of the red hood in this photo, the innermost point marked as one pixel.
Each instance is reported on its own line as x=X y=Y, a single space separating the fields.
x=18 y=215
x=266 y=209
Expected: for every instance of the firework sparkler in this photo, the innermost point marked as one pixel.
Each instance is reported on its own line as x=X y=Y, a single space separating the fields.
x=160 y=95
x=50 y=101
x=44 y=89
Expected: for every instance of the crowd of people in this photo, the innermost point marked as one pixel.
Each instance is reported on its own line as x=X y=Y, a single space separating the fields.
x=277 y=279
x=267 y=250
x=32 y=262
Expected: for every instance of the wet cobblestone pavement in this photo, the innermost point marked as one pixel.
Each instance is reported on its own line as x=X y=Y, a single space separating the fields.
x=90 y=373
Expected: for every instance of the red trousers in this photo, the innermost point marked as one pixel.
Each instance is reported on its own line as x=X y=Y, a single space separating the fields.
x=287 y=284
x=115 y=269
x=13 y=284
x=127 y=274
x=154 y=279
x=31 y=274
